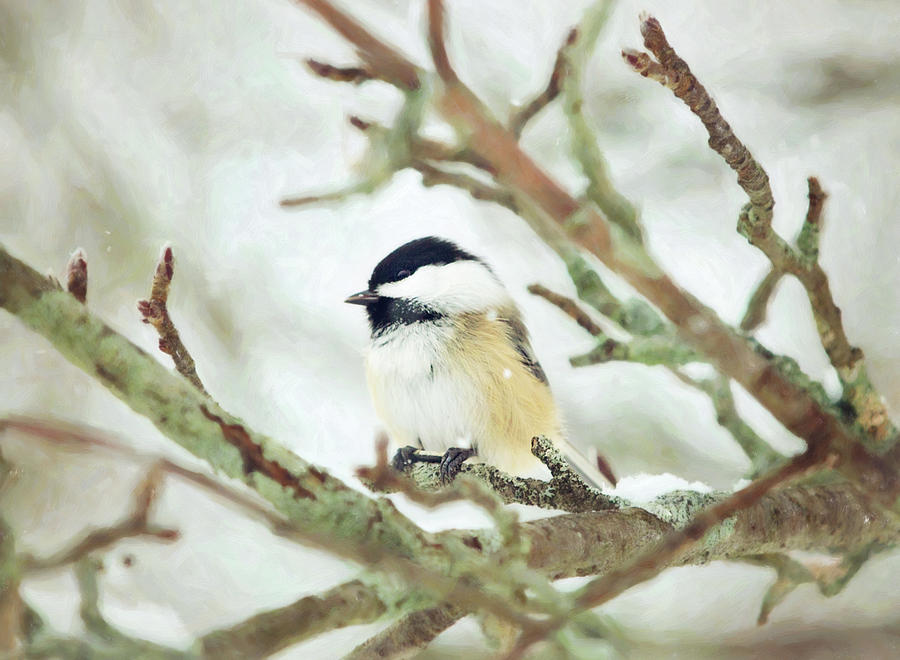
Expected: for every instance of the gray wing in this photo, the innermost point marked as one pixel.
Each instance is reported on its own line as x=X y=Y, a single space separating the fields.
x=518 y=335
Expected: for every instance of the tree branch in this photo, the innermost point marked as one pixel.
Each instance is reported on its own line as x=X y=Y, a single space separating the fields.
x=755 y=223
x=136 y=524
x=554 y=86
x=267 y=633
x=412 y=633
x=155 y=312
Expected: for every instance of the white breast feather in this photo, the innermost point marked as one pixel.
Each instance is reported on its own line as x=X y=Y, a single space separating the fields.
x=416 y=393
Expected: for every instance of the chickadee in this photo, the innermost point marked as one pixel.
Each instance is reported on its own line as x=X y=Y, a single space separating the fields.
x=450 y=367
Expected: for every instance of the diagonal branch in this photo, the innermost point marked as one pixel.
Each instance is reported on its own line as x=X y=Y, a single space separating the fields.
x=755 y=223
x=408 y=635
x=267 y=633
x=554 y=86
x=384 y=61
x=674 y=73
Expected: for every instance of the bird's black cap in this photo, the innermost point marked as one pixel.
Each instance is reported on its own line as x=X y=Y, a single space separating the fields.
x=409 y=257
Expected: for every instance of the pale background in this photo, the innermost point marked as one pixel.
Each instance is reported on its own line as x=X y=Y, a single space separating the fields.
x=126 y=125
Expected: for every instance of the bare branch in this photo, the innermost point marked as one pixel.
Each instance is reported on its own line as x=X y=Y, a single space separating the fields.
x=410 y=634
x=155 y=312
x=267 y=633
x=759 y=301
x=525 y=114
x=568 y=306
x=136 y=524
x=437 y=44
x=381 y=58
x=808 y=240
x=354 y=74
x=435 y=176
x=674 y=73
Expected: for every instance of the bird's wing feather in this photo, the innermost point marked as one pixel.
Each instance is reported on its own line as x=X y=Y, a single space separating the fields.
x=518 y=335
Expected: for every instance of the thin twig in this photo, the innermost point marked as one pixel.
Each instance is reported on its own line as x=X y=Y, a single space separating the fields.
x=381 y=58
x=409 y=635
x=437 y=44
x=758 y=305
x=136 y=524
x=351 y=74
x=435 y=176
x=155 y=312
x=268 y=632
x=567 y=305
x=525 y=114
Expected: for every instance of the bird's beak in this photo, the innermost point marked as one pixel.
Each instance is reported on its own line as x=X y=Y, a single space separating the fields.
x=362 y=298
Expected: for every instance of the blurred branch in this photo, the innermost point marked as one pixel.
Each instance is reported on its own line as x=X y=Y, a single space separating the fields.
x=354 y=75
x=12 y=609
x=759 y=301
x=384 y=62
x=790 y=574
x=267 y=633
x=136 y=524
x=584 y=141
x=554 y=86
x=762 y=456
x=408 y=635
x=155 y=312
x=102 y=640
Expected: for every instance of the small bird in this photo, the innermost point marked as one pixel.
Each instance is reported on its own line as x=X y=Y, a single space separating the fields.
x=450 y=367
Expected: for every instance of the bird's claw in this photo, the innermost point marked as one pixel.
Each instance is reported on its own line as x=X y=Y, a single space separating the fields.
x=404 y=457
x=451 y=463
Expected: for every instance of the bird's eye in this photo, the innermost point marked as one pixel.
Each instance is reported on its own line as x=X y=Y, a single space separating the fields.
x=403 y=273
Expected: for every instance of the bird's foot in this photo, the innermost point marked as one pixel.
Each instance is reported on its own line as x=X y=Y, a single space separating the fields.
x=451 y=462
x=408 y=455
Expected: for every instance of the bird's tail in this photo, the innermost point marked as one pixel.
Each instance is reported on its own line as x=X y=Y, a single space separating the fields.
x=596 y=472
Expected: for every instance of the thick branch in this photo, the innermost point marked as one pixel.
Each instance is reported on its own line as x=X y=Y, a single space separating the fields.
x=406 y=637
x=260 y=636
